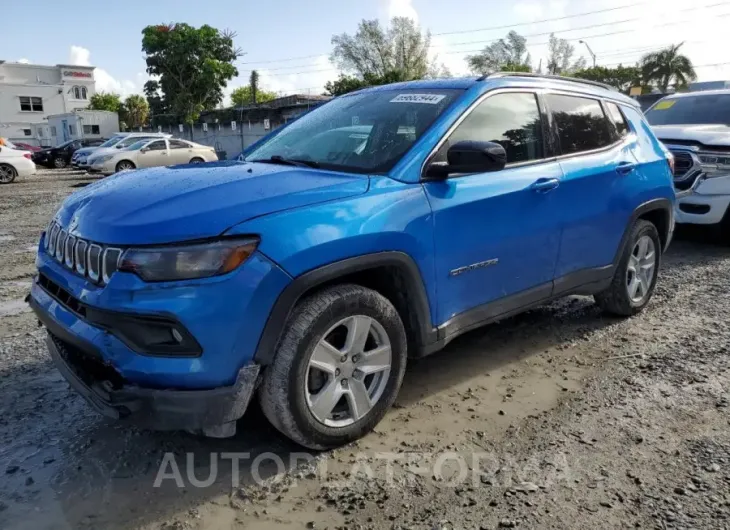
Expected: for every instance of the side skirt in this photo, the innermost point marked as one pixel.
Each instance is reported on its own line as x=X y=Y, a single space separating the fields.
x=583 y=282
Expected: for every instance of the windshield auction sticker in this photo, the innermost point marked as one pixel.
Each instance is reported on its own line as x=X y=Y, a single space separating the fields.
x=664 y=105
x=429 y=99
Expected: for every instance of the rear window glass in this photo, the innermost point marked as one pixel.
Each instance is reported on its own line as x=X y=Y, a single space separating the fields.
x=582 y=125
x=700 y=109
x=618 y=119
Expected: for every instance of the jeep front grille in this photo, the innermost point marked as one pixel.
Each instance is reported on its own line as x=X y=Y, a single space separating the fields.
x=85 y=258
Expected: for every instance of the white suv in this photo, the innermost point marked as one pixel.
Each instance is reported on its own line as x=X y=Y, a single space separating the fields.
x=118 y=141
x=695 y=126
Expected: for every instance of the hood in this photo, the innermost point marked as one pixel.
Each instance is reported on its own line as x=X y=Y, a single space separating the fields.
x=100 y=151
x=718 y=135
x=86 y=150
x=183 y=203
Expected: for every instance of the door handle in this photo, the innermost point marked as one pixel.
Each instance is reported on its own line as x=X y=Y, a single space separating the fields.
x=544 y=185
x=624 y=168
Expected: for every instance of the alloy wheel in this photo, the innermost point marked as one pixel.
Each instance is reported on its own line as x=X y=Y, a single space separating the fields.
x=7 y=174
x=641 y=269
x=348 y=371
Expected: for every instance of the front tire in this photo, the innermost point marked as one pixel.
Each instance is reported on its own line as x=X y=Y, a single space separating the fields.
x=59 y=162
x=7 y=173
x=125 y=165
x=197 y=160
x=337 y=369
x=635 y=277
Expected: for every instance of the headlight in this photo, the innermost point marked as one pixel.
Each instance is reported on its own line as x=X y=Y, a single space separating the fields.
x=715 y=166
x=189 y=261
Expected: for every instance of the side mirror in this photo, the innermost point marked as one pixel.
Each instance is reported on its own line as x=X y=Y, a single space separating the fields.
x=143 y=150
x=469 y=157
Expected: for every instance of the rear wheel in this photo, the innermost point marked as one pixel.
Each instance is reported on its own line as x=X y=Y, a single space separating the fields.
x=197 y=160
x=7 y=173
x=337 y=369
x=59 y=162
x=125 y=165
x=636 y=275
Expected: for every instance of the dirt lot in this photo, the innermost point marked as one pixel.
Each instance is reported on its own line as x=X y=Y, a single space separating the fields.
x=559 y=418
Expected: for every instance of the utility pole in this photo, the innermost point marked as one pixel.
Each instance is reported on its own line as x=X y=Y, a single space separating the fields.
x=589 y=51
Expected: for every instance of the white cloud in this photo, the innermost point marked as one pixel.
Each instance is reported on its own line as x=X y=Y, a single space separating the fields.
x=24 y=61
x=105 y=82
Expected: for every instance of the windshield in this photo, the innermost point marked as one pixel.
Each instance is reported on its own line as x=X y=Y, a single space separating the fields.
x=138 y=145
x=699 y=109
x=363 y=133
x=111 y=142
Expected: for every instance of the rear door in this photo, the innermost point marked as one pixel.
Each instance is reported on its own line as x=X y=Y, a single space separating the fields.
x=154 y=154
x=598 y=164
x=180 y=152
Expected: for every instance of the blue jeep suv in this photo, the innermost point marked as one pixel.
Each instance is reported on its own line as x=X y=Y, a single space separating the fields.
x=375 y=228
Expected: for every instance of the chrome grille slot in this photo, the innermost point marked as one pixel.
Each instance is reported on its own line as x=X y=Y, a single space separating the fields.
x=96 y=262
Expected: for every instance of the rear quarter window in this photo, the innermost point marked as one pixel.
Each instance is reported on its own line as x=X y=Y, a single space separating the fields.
x=581 y=123
x=618 y=119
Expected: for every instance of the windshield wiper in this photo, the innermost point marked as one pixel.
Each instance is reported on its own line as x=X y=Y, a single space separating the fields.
x=278 y=159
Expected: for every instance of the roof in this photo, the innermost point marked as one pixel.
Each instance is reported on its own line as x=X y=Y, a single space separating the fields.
x=718 y=92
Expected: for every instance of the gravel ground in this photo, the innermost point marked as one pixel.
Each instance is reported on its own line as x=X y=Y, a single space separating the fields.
x=558 y=418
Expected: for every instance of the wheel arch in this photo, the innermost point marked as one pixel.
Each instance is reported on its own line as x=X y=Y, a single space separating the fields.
x=116 y=166
x=657 y=211
x=393 y=274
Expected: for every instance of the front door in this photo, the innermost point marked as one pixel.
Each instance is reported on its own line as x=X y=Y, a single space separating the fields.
x=497 y=234
x=180 y=152
x=154 y=154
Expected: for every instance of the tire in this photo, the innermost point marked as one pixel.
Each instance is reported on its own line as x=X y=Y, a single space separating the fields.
x=59 y=162
x=196 y=160
x=617 y=299
x=7 y=173
x=285 y=395
x=124 y=165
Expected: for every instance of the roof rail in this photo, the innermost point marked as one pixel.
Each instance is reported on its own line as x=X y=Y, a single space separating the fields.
x=548 y=76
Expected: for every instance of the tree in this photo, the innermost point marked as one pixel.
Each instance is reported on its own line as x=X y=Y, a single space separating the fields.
x=191 y=66
x=159 y=109
x=376 y=51
x=506 y=55
x=242 y=96
x=253 y=83
x=136 y=110
x=560 y=53
x=621 y=77
x=105 y=101
x=666 y=66
x=347 y=83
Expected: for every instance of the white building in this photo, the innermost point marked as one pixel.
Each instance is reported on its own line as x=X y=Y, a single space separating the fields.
x=30 y=93
x=82 y=124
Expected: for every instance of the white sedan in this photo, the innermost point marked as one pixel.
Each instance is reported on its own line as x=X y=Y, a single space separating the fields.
x=152 y=153
x=14 y=163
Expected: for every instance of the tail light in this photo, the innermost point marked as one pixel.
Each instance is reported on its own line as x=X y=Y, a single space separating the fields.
x=27 y=155
x=670 y=161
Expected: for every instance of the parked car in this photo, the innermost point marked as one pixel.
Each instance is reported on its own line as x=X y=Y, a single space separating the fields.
x=60 y=156
x=307 y=276
x=14 y=163
x=26 y=147
x=117 y=142
x=151 y=153
x=695 y=126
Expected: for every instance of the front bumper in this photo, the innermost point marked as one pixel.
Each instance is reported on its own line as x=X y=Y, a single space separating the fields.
x=706 y=202
x=197 y=410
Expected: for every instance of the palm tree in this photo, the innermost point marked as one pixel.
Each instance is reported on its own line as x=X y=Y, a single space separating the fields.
x=135 y=111
x=666 y=65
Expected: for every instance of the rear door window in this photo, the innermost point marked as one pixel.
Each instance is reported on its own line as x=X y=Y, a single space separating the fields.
x=581 y=122
x=618 y=119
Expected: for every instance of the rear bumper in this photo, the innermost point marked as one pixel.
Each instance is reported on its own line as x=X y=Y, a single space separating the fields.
x=82 y=365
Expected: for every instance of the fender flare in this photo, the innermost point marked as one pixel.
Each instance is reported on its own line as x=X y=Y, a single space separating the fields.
x=418 y=299
x=661 y=204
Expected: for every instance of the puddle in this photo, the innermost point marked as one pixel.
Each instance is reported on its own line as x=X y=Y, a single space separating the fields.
x=13 y=307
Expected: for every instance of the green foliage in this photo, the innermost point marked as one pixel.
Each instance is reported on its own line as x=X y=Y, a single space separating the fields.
x=105 y=101
x=191 y=67
x=243 y=96
x=135 y=111
x=506 y=55
x=347 y=83
x=667 y=67
x=376 y=51
x=621 y=77
x=560 y=54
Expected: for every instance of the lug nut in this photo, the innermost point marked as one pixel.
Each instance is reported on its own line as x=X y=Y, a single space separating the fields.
x=344 y=383
x=343 y=358
x=337 y=372
x=355 y=358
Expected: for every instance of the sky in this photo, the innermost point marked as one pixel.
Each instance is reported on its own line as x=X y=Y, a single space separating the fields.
x=288 y=41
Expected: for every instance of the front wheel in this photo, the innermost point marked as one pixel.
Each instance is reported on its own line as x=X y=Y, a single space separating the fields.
x=197 y=160
x=125 y=165
x=7 y=173
x=337 y=369
x=636 y=275
x=59 y=162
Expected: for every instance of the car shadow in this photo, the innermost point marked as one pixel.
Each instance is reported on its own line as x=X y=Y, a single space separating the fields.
x=88 y=472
